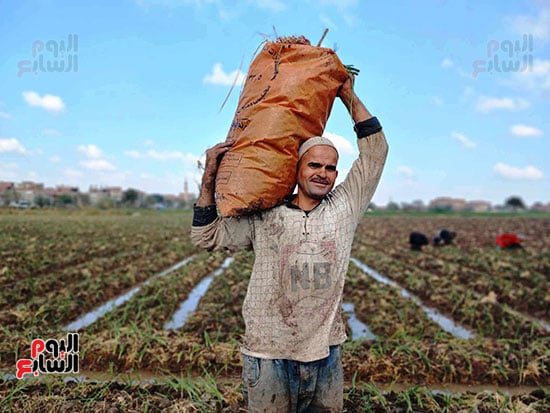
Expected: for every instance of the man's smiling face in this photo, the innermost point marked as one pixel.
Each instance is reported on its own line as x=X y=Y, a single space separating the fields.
x=317 y=172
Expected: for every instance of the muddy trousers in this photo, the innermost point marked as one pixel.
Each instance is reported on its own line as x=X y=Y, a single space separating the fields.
x=279 y=385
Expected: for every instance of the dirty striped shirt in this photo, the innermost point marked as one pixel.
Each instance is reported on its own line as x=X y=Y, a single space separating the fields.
x=292 y=309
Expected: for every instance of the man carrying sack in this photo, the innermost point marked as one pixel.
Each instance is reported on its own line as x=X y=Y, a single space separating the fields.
x=292 y=310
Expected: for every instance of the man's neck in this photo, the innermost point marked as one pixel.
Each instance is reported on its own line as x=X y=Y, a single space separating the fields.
x=304 y=203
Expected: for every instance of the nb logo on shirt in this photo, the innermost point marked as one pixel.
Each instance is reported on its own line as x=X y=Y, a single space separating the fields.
x=316 y=276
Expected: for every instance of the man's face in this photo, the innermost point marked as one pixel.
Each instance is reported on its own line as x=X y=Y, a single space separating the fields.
x=317 y=172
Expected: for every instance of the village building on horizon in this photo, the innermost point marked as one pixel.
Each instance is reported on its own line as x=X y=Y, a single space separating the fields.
x=29 y=194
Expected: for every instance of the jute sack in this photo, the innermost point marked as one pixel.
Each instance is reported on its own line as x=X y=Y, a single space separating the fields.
x=287 y=98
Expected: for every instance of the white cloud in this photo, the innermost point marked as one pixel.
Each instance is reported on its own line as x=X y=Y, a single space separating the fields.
x=55 y=159
x=189 y=160
x=4 y=115
x=225 y=10
x=342 y=144
x=538 y=26
x=50 y=132
x=49 y=102
x=219 y=77
x=530 y=172
x=437 y=101
x=173 y=3
x=525 y=131
x=166 y=155
x=351 y=19
x=486 y=104
x=72 y=174
x=536 y=77
x=32 y=176
x=340 y=4
x=271 y=5
x=90 y=151
x=11 y=145
x=327 y=22
x=133 y=154
x=8 y=171
x=469 y=92
x=464 y=140
x=447 y=63
x=98 y=165
x=405 y=172
x=95 y=161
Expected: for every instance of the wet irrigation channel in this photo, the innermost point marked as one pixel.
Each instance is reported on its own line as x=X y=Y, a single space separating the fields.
x=359 y=331
x=144 y=377
x=92 y=316
x=190 y=305
x=445 y=323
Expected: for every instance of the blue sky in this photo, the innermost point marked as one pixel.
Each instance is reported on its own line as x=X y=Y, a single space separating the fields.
x=141 y=100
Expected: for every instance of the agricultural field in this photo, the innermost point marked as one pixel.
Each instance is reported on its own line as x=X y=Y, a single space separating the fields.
x=58 y=266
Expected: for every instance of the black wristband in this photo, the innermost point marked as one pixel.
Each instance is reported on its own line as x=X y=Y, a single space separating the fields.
x=367 y=127
x=204 y=215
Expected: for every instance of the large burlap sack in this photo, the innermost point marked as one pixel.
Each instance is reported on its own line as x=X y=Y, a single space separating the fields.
x=287 y=98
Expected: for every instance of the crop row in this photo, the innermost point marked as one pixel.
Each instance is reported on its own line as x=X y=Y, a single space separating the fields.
x=410 y=347
x=518 y=279
x=206 y=394
x=36 y=244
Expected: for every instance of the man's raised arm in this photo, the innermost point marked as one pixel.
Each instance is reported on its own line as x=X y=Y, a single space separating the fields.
x=365 y=123
x=363 y=178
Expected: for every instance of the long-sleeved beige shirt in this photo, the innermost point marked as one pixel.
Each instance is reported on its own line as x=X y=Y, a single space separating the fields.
x=292 y=309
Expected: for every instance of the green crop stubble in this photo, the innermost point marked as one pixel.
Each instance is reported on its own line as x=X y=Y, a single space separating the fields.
x=146 y=344
x=58 y=306
x=383 y=308
x=202 y=391
x=45 y=314
x=405 y=343
x=471 y=313
x=220 y=309
x=471 y=263
x=513 y=351
x=365 y=395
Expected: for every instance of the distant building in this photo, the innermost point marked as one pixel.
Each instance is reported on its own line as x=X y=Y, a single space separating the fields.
x=478 y=206
x=186 y=195
x=186 y=198
x=116 y=193
x=28 y=191
x=447 y=203
x=35 y=194
x=6 y=186
x=416 y=205
x=31 y=194
x=540 y=207
x=102 y=194
x=7 y=192
x=62 y=193
x=63 y=189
